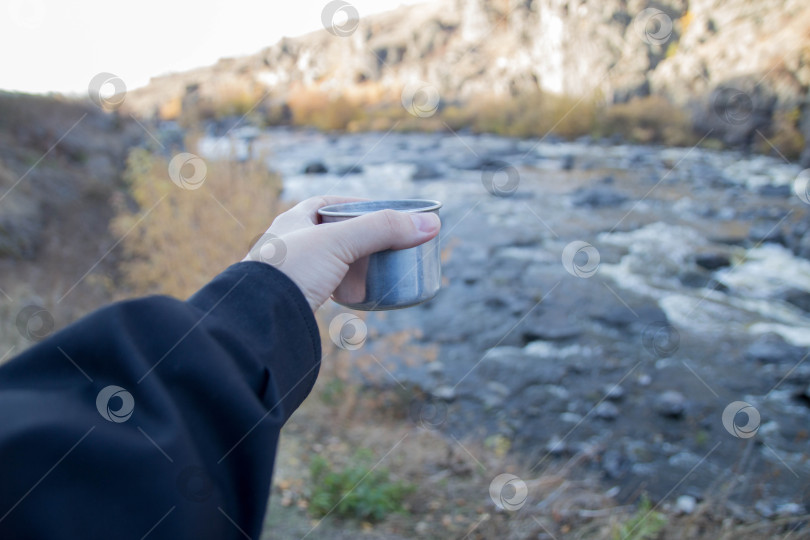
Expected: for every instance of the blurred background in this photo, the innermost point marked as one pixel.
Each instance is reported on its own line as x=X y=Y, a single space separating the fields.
x=620 y=346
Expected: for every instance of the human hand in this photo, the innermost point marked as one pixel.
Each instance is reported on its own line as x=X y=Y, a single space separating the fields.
x=316 y=256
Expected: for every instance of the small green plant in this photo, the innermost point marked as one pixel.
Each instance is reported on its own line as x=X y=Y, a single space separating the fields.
x=644 y=524
x=333 y=391
x=358 y=491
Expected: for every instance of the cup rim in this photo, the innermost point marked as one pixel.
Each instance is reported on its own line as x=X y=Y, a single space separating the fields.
x=359 y=208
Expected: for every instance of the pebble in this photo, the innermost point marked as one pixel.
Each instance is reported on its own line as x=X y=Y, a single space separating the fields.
x=445 y=393
x=712 y=261
x=764 y=508
x=671 y=404
x=790 y=509
x=571 y=417
x=495 y=394
x=435 y=368
x=771 y=349
x=555 y=445
x=424 y=171
x=316 y=167
x=614 y=464
x=606 y=411
x=685 y=504
x=597 y=197
x=613 y=392
x=765 y=231
x=799 y=298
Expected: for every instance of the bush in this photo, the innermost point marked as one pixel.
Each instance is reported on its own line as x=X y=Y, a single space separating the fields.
x=356 y=491
x=175 y=240
x=783 y=137
x=646 y=120
x=320 y=110
x=531 y=115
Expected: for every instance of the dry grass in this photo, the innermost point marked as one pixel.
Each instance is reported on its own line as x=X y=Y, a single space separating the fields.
x=783 y=138
x=323 y=111
x=177 y=239
x=647 y=120
x=533 y=115
x=452 y=478
x=643 y=120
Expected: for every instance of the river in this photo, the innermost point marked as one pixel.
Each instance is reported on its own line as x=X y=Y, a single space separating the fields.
x=600 y=299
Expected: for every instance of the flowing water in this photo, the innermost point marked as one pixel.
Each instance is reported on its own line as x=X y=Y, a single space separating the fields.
x=698 y=299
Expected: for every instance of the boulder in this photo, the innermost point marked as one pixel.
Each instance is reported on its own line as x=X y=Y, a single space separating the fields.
x=597 y=197
x=671 y=404
x=772 y=349
x=316 y=167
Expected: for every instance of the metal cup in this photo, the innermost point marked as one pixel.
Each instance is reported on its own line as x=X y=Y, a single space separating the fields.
x=390 y=279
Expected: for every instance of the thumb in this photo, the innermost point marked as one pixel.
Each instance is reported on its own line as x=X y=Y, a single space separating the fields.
x=378 y=231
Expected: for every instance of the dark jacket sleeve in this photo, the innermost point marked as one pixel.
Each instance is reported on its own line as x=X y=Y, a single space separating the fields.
x=156 y=417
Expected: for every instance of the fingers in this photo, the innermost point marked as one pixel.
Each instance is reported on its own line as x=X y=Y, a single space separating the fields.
x=304 y=214
x=378 y=231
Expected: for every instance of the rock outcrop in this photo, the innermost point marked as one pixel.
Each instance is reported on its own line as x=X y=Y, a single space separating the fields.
x=739 y=66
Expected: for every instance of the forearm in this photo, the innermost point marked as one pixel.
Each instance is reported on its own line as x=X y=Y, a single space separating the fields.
x=212 y=380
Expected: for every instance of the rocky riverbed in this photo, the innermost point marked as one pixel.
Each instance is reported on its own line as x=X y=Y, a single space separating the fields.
x=599 y=299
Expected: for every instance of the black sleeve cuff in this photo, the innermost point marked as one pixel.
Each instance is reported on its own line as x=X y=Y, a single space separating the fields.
x=256 y=309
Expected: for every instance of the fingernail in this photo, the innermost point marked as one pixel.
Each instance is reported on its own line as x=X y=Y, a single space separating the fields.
x=426 y=223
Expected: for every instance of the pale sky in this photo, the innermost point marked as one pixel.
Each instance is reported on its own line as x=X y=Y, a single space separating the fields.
x=59 y=45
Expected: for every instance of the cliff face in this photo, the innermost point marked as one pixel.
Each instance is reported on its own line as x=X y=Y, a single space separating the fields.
x=734 y=63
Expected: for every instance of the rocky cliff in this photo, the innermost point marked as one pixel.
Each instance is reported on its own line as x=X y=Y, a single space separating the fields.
x=738 y=66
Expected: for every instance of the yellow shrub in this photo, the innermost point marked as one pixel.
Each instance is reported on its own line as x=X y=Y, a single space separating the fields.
x=171 y=109
x=311 y=107
x=178 y=239
x=783 y=136
x=651 y=119
x=531 y=115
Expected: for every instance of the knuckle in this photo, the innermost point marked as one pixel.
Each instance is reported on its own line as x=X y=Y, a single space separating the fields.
x=318 y=201
x=393 y=223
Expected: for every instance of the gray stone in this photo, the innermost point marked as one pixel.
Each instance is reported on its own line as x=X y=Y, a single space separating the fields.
x=712 y=261
x=613 y=392
x=597 y=197
x=444 y=393
x=615 y=464
x=550 y=326
x=567 y=163
x=556 y=446
x=799 y=298
x=789 y=509
x=685 y=504
x=350 y=169
x=435 y=368
x=764 y=508
x=772 y=349
x=770 y=190
x=316 y=167
x=606 y=411
x=684 y=460
x=571 y=417
x=695 y=280
x=765 y=231
x=424 y=171
x=671 y=404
